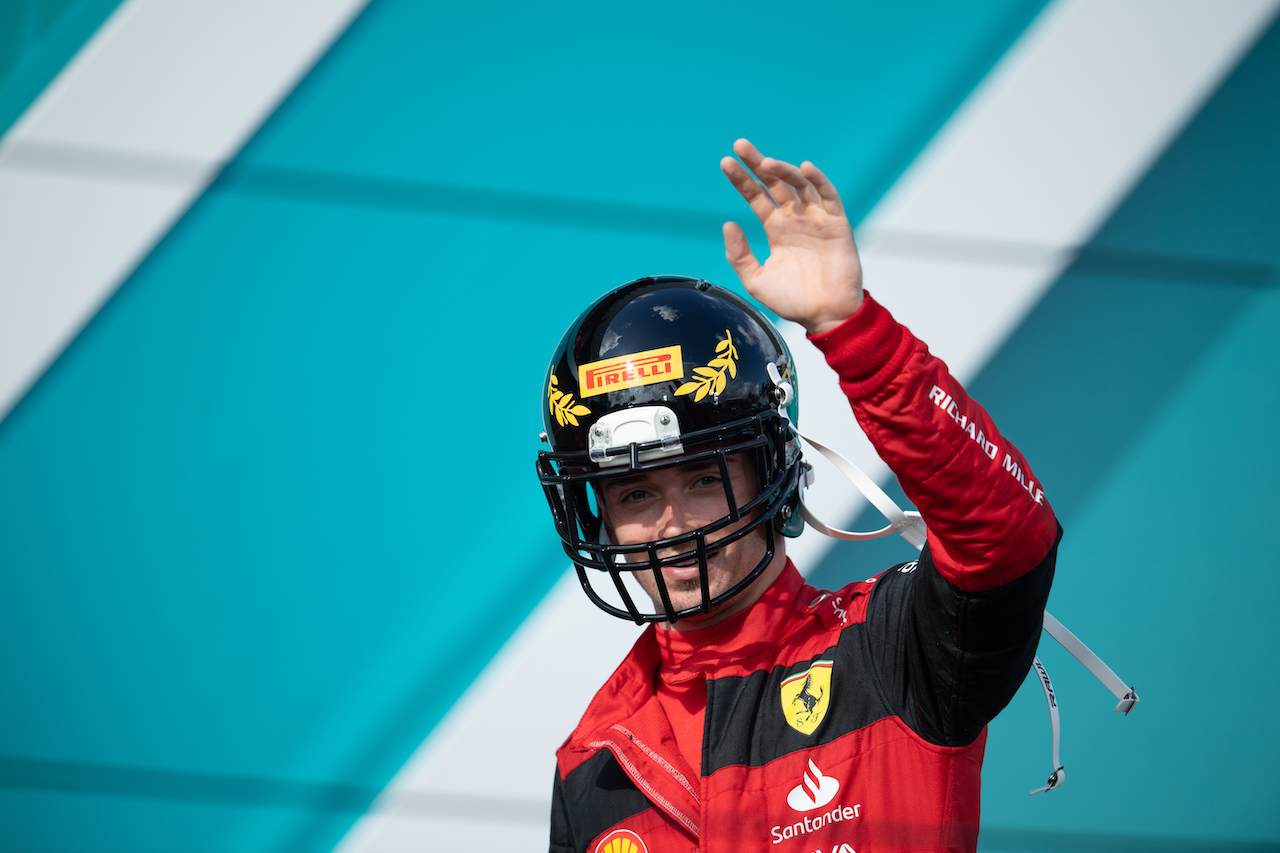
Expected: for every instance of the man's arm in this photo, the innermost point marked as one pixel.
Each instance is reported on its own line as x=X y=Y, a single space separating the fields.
x=988 y=519
x=954 y=638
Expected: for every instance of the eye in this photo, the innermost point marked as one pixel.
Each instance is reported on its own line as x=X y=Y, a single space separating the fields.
x=632 y=496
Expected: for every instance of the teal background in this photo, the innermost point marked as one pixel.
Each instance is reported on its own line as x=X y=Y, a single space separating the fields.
x=272 y=511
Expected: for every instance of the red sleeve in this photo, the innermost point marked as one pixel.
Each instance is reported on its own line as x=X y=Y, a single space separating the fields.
x=989 y=521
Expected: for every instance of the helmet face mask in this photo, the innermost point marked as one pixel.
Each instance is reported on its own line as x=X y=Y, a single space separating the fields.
x=666 y=373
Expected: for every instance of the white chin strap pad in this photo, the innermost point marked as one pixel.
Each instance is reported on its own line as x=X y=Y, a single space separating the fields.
x=617 y=431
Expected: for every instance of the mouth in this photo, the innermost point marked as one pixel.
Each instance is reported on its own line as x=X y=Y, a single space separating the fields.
x=683 y=571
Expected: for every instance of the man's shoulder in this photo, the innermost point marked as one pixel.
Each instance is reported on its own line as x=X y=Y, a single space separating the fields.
x=839 y=608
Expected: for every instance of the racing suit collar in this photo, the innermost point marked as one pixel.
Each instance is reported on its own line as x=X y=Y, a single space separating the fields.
x=687 y=654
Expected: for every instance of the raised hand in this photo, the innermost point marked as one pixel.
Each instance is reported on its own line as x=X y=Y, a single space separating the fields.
x=812 y=275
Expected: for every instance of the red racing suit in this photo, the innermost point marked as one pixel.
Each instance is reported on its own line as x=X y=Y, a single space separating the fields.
x=845 y=721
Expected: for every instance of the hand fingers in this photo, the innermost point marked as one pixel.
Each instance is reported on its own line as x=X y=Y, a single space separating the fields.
x=737 y=251
x=781 y=191
x=825 y=189
x=783 y=181
x=750 y=189
x=794 y=178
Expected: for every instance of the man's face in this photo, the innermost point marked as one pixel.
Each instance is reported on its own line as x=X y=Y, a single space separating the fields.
x=668 y=502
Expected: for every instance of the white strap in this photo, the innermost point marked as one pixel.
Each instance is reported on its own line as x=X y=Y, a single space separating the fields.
x=909 y=524
x=1059 y=774
x=1069 y=641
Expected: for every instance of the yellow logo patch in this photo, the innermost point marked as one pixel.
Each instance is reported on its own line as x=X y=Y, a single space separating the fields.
x=711 y=379
x=630 y=371
x=621 y=841
x=805 y=697
x=562 y=405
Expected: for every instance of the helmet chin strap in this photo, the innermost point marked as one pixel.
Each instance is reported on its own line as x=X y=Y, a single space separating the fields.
x=911 y=526
x=908 y=523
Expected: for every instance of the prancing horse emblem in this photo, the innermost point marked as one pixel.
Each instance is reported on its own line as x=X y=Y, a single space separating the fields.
x=805 y=697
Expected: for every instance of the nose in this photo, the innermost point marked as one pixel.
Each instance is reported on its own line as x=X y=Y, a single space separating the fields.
x=676 y=517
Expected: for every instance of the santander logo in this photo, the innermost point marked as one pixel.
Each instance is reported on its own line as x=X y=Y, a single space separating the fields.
x=814 y=791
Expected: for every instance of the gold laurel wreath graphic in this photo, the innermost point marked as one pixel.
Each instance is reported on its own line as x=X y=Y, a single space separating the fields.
x=562 y=405
x=711 y=378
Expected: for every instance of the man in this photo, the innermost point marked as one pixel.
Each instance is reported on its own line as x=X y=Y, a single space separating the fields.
x=757 y=712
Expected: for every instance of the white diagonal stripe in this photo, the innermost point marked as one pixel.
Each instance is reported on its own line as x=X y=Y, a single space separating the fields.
x=123 y=141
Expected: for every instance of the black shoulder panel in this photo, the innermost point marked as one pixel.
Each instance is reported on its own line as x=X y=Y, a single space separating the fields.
x=594 y=797
x=747 y=723
x=948 y=660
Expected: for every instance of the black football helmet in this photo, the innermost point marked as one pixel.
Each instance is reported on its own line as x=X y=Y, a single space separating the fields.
x=664 y=371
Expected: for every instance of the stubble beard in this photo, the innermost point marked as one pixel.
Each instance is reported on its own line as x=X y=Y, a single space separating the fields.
x=687 y=593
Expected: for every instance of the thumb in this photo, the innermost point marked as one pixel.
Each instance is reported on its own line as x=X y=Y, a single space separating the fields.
x=738 y=252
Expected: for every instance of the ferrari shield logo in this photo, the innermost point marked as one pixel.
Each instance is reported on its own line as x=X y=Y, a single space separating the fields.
x=805 y=697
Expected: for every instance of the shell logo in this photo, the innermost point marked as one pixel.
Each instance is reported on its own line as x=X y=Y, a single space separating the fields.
x=621 y=841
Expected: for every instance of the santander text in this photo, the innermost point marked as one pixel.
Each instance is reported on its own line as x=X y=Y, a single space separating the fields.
x=809 y=824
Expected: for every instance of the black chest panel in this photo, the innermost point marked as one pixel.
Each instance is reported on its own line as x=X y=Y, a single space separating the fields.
x=746 y=720
x=944 y=660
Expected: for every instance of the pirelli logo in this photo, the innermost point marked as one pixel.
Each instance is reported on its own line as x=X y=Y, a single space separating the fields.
x=630 y=371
